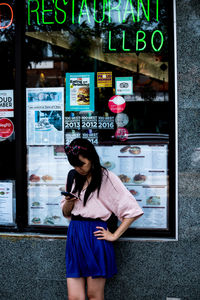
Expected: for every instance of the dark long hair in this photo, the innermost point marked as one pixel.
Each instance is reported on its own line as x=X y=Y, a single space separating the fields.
x=87 y=150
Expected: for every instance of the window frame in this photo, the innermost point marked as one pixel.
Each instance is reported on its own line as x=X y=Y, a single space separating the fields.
x=21 y=152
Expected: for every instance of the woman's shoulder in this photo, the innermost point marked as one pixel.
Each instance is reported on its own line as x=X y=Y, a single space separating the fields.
x=112 y=177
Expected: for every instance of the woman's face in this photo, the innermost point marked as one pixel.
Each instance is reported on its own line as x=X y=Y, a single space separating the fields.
x=85 y=168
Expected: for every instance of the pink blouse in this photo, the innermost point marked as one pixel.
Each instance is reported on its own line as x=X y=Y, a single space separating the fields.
x=113 y=197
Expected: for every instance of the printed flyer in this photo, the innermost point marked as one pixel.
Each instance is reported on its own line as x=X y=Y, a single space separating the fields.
x=79 y=91
x=45 y=116
x=143 y=170
x=104 y=79
x=6 y=103
x=6 y=203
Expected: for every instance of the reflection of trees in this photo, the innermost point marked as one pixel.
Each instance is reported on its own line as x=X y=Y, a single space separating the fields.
x=80 y=45
x=82 y=34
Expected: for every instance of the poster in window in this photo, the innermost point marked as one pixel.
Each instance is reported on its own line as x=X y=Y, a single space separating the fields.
x=79 y=91
x=45 y=116
x=143 y=170
x=124 y=85
x=6 y=202
x=47 y=171
x=6 y=103
x=104 y=79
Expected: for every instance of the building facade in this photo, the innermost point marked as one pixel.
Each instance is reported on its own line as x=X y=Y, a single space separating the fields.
x=155 y=260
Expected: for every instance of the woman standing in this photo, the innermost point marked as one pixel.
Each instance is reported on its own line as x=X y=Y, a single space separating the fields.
x=89 y=250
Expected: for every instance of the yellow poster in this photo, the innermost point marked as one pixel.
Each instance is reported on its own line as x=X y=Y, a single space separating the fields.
x=104 y=79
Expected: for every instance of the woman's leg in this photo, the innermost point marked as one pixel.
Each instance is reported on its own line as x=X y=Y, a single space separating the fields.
x=95 y=288
x=76 y=288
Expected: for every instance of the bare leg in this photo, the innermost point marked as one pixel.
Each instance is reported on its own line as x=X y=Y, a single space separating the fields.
x=95 y=288
x=76 y=288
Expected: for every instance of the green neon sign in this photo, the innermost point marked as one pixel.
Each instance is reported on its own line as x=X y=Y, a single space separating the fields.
x=84 y=11
x=140 y=38
x=115 y=12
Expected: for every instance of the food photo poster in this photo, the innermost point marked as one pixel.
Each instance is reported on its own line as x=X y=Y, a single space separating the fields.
x=48 y=168
x=79 y=92
x=143 y=170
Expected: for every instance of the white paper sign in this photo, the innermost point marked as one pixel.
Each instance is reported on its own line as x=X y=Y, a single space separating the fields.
x=124 y=85
x=6 y=103
x=45 y=116
x=6 y=202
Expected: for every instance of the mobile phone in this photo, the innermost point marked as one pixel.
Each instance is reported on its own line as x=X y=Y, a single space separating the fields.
x=69 y=195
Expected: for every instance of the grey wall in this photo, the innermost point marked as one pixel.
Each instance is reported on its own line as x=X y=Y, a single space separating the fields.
x=32 y=268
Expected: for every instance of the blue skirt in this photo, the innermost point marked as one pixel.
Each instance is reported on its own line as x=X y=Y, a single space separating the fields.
x=86 y=255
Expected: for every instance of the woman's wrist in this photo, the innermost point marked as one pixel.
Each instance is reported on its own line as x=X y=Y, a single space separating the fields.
x=116 y=236
x=69 y=200
x=123 y=227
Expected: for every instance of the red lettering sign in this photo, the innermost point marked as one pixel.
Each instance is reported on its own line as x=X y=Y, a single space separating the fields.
x=9 y=20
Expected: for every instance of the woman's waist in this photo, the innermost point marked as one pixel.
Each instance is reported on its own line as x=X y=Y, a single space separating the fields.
x=81 y=218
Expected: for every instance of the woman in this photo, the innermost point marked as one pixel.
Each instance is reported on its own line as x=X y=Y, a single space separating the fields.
x=89 y=249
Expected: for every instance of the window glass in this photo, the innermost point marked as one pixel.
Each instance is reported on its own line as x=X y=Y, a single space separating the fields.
x=100 y=70
x=7 y=121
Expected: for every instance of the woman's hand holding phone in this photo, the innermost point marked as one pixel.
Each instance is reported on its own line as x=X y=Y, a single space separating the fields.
x=69 y=196
x=68 y=204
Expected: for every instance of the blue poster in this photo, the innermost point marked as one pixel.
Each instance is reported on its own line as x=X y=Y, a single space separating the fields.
x=79 y=92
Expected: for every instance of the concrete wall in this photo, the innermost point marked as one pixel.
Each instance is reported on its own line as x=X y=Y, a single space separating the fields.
x=34 y=268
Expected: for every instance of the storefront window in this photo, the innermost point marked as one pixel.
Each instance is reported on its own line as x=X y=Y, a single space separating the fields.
x=101 y=70
x=7 y=121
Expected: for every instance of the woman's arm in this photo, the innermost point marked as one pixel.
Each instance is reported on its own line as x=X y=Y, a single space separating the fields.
x=68 y=206
x=103 y=234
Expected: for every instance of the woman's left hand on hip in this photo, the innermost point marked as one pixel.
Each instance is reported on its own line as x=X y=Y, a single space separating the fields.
x=104 y=234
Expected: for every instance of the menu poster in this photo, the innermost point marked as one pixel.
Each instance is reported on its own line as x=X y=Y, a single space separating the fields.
x=6 y=103
x=79 y=91
x=143 y=170
x=48 y=168
x=6 y=202
x=45 y=116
